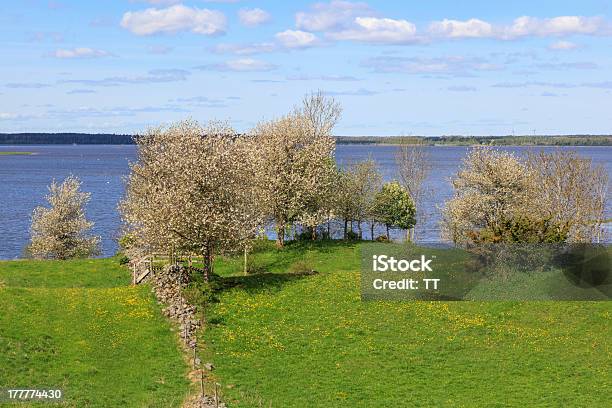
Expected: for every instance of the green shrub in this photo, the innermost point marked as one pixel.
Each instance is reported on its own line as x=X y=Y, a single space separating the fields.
x=518 y=244
x=255 y=266
x=522 y=229
x=261 y=245
x=394 y=207
x=301 y=266
x=201 y=293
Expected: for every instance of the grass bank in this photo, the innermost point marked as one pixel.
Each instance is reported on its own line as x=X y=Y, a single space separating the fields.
x=289 y=339
x=80 y=327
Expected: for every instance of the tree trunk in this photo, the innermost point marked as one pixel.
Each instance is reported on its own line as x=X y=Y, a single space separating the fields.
x=360 y=230
x=245 y=260
x=372 y=225
x=388 y=237
x=280 y=235
x=345 y=228
x=208 y=260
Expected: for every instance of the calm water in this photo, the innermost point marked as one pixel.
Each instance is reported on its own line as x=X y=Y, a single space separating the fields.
x=25 y=180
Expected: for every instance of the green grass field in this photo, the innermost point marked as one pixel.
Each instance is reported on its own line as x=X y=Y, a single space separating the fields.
x=284 y=337
x=80 y=327
x=295 y=340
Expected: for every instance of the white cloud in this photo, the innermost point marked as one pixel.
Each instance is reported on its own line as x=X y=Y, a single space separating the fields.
x=296 y=39
x=174 y=19
x=40 y=36
x=152 y=77
x=357 y=92
x=461 y=88
x=356 y=21
x=283 y=41
x=563 y=46
x=253 y=17
x=335 y=15
x=524 y=26
x=561 y=85
x=7 y=116
x=567 y=65
x=80 y=91
x=521 y=27
x=339 y=78
x=240 y=65
x=557 y=26
x=378 y=30
x=600 y=85
x=157 y=2
x=453 y=65
x=27 y=85
x=461 y=29
x=159 y=49
x=80 y=52
x=245 y=49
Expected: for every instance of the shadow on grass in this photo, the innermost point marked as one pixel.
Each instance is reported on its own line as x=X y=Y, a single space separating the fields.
x=267 y=258
x=252 y=284
x=323 y=246
x=269 y=268
x=261 y=281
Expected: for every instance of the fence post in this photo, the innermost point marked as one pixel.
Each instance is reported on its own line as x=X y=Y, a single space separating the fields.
x=202 y=383
x=216 y=396
x=195 y=355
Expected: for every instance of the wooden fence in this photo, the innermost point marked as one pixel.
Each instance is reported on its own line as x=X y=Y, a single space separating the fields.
x=152 y=263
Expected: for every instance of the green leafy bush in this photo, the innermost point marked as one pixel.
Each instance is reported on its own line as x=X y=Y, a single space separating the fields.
x=522 y=229
x=521 y=243
x=201 y=293
x=394 y=207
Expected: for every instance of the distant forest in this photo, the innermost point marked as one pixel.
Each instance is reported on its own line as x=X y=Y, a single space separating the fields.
x=63 y=138
x=543 y=140
x=550 y=140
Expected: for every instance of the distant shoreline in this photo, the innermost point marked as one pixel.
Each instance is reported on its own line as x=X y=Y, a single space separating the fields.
x=19 y=139
x=16 y=153
x=544 y=140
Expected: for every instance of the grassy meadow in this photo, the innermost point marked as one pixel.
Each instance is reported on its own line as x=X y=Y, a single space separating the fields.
x=285 y=337
x=300 y=340
x=79 y=326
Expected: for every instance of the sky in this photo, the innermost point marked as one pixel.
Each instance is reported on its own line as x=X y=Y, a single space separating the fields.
x=412 y=67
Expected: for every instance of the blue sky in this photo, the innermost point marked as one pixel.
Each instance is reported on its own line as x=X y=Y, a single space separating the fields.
x=397 y=67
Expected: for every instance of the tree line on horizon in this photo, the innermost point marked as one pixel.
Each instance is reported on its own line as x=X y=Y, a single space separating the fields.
x=452 y=140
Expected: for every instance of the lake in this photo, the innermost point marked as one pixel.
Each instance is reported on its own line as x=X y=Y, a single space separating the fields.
x=102 y=167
